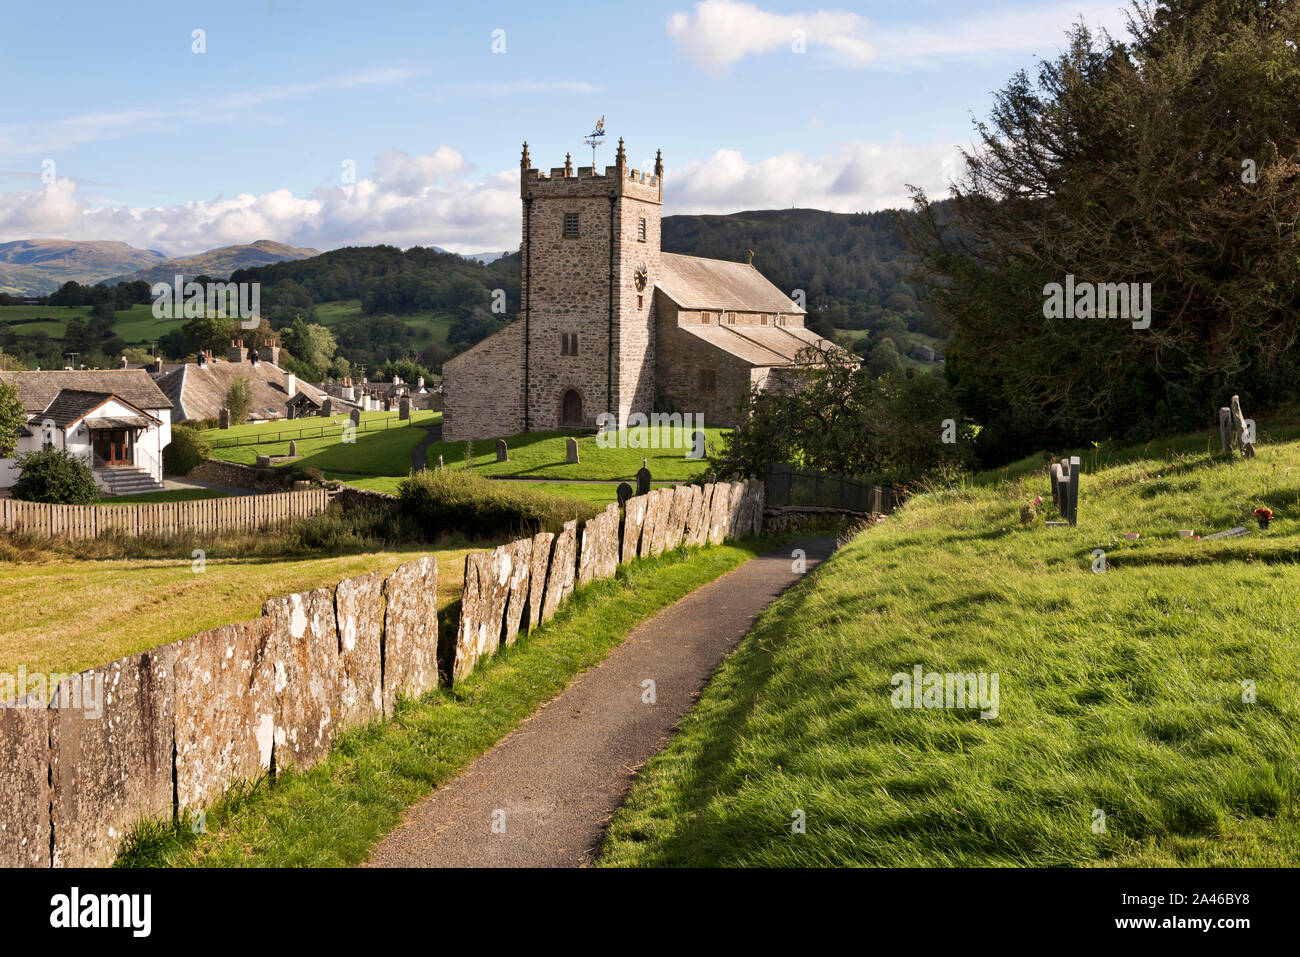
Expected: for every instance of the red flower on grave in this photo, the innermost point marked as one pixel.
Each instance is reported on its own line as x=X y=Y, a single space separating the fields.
x=1263 y=513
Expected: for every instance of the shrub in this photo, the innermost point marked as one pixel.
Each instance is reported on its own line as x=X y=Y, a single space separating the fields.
x=185 y=451
x=55 y=476
x=445 y=499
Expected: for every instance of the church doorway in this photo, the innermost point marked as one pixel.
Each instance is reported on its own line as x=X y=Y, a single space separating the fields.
x=571 y=410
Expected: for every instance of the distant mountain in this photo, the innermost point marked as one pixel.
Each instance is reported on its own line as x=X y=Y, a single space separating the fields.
x=35 y=267
x=483 y=258
x=220 y=263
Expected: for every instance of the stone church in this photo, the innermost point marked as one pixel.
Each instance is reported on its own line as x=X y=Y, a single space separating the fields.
x=611 y=323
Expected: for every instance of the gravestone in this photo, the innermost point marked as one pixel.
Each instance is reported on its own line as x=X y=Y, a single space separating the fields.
x=223 y=419
x=404 y=409
x=713 y=478
x=388 y=404
x=696 y=449
x=624 y=493
x=570 y=451
x=503 y=455
x=355 y=416
x=293 y=447
x=643 y=479
x=326 y=407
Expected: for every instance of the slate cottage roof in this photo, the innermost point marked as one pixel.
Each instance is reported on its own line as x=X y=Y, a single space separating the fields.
x=198 y=391
x=72 y=405
x=37 y=390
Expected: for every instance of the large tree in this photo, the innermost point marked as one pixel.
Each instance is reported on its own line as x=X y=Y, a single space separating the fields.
x=1170 y=158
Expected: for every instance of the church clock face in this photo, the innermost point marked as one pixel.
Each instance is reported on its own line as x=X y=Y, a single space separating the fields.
x=639 y=275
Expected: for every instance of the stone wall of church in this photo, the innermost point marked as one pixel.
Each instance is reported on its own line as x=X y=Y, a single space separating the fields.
x=483 y=391
x=681 y=358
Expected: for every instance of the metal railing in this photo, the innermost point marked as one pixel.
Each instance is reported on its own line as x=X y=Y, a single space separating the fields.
x=788 y=486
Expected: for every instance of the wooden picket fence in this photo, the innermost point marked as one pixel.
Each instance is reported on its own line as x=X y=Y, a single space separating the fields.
x=204 y=515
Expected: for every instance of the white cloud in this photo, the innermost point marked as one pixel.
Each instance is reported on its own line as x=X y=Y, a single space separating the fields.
x=852 y=177
x=435 y=199
x=724 y=32
x=406 y=200
x=721 y=33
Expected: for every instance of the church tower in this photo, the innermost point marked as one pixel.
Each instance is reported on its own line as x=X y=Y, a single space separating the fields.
x=591 y=258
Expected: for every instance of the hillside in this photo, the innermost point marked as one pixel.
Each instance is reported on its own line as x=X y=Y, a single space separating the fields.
x=1147 y=715
x=35 y=267
x=220 y=263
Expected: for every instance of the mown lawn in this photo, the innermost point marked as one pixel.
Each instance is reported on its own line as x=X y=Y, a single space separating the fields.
x=167 y=495
x=377 y=451
x=1162 y=693
x=331 y=815
x=542 y=455
x=68 y=615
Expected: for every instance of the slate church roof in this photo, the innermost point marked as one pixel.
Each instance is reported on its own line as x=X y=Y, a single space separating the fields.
x=713 y=284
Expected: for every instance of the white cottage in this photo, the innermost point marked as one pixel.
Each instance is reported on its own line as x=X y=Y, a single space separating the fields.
x=118 y=420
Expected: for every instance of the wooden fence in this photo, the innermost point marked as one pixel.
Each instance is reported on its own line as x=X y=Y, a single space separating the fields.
x=791 y=487
x=203 y=515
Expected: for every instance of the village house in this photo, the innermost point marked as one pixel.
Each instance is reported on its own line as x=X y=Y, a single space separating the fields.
x=198 y=390
x=117 y=420
x=612 y=324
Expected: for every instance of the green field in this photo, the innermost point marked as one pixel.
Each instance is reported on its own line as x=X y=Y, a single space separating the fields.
x=136 y=325
x=376 y=451
x=171 y=495
x=542 y=454
x=430 y=326
x=1163 y=692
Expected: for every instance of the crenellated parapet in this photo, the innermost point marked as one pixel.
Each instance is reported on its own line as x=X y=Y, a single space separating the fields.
x=588 y=181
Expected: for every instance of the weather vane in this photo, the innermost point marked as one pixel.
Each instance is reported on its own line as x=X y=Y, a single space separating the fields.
x=594 y=138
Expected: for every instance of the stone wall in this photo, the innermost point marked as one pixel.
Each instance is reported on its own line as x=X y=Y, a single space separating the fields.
x=176 y=726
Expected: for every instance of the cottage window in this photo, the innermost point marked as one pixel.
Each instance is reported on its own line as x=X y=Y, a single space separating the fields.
x=570 y=225
x=731 y=318
x=704 y=318
x=708 y=381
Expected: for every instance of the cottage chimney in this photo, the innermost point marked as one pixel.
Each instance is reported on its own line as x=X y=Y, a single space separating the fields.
x=157 y=365
x=123 y=365
x=203 y=359
x=237 y=351
x=273 y=352
x=290 y=384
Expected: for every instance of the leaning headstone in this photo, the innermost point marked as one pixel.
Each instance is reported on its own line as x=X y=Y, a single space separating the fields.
x=411 y=630
x=355 y=416
x=110 y=756
x=303 y=661
x=503 y=455
x=538 y=565
x=697 y=447
x=633 y=519
x=225 y=711
x=624 y=493
x=570 y=451
x=643 y=479
x=483 y=608
x=223 y=419
x=1072 y=491
x=404 y=409
x=517 y=601
x=560 y=579
x=697 y=520
x=599 y=557
x=293 y=447
x=25 y=784
x=359 y=609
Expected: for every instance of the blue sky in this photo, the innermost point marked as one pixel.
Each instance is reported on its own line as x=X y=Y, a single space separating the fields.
x=152 y=143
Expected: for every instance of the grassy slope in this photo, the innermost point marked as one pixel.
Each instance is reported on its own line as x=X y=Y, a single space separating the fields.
x=381 y=452
x=69 y=615
x=331 y=815
x=1119 y=691
x=542 y=454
